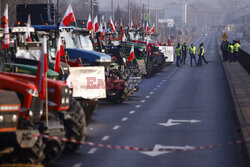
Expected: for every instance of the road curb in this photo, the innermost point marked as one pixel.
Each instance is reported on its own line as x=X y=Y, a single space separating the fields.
x=245 y=129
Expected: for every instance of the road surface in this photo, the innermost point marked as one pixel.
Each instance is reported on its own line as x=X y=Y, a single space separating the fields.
x=179 y=93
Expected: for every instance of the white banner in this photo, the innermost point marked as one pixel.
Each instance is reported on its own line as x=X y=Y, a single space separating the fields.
x=168 y=52
x=88 y=82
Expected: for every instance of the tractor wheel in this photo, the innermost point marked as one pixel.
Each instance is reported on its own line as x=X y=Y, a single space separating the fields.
x=33 y=155
x=52 y=150
x=75 y=126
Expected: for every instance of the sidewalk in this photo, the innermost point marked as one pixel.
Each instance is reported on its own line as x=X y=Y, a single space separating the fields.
x=239 y=82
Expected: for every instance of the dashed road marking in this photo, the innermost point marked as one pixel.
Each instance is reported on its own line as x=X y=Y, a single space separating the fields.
x=77 y=165
x=155 y=89
x=92 y=150
x=147 y=97
x=163 y=80
x=161 y=83
x=124 y=119
x=116 y=127
x=151 y=93
x=138 y=106
x=105 y=138
x=131 y=112
x=143 y=101
x=158 y=86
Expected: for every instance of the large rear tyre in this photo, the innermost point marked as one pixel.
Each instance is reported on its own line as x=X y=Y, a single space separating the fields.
x=75 y=126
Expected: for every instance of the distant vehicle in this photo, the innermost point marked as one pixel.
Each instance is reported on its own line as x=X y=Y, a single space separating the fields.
x=204 y=34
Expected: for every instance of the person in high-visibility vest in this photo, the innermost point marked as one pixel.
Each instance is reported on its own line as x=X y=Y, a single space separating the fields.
x=236 y=51
x=192 y=53
x=231 y=52
x=178 y=54
x=184 y=50
x=201 y=54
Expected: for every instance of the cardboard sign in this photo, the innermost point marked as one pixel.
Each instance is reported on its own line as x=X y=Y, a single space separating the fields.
x=87 y=82
x=168 y=52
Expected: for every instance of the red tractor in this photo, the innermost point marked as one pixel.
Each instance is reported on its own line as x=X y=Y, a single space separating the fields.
x=21 y=123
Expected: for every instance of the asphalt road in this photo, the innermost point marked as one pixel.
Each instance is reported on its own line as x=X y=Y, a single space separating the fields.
x=179 y=93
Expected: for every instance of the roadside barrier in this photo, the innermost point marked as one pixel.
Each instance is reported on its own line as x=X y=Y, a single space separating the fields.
x=143 y=149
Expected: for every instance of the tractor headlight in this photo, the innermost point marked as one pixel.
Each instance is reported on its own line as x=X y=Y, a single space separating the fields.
x=63 y=101
x=33 y=92
x=67 y=100
x=14 y=118
x=1 y=118
x=66 y=90
x=31 y=113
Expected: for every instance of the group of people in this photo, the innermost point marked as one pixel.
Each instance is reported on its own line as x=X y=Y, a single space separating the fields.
x=181 y=54
x=230 y=51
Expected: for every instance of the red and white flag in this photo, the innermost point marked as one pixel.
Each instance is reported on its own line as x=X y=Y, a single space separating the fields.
x=105 y=25
x=89 y=24
x=59 y=53
x=152 y=30
x=96 y=27
x=147 y=27
x=42 y=70
x=132 y=24
x=143 y=26
x=112 y=25
x=147 y=48
x=5 y=25
x=69 y=17
x=27 y=33
x=132 y=54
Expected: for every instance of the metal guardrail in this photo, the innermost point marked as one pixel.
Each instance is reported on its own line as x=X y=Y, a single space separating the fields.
x=244 y=60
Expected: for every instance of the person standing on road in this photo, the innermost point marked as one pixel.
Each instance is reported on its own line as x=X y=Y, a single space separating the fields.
x=192 y=53
x=178 y=54
x=231 y=52
x=184 y=50
x=224 y=50
x=236 y=51
x=201 y=54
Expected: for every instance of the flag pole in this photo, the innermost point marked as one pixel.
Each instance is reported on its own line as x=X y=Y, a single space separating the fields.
x=46 y=99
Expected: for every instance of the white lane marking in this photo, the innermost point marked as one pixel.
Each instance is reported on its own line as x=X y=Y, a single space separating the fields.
x=105 y=138
x=158 y=86
x=124 y=119
x=161 y=83
x=147 y=97
x=151 y=93
x=163 y=80
x=155 y=89
x=92 y=150
x=77 y=165
x=143 y=101
x=131 y=112
x=116 y=127
x=138 y=106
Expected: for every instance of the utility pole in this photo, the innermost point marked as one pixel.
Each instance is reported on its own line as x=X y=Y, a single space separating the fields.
x=92 y=12
x=129 y=19
x=112 y=5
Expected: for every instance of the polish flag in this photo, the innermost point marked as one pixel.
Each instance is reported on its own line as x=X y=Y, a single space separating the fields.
x=59 y=53
x=140 y=24
x=132 y=54
x=147 y=27
x=152 y=29
x=132 y=24
x=105 y=25
x=112 y=25
x=96 y=27
x=69 y=17
x=147 y=48
x=5 y=25
x=143 y=26
x=42 y=70
x=100 y=29
x=89 y=24
x=122 y=33
x=27 y=33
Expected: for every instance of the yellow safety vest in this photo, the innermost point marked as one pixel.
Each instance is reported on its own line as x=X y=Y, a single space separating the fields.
x=236 y=47
x=192 y=50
